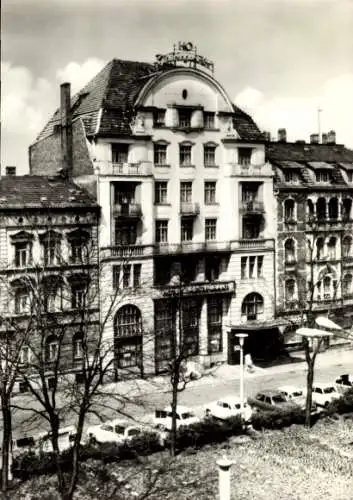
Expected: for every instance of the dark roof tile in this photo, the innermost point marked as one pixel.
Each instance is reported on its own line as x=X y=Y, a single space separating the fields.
x=288 y=151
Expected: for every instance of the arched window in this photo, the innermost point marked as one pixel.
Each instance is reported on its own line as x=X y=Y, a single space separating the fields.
x=347 y=246
x=77 y=346
x=290 y=290
x=331 y=248
x=320 y=248
x=252 y=306
x=289 y=251
x=327 y=282
x=333 y=208
x=347 y=209
x=289 y=210
x=128 y=337
x=347 y=284
x=310 y=209
x=321 y=209
x=51 y=349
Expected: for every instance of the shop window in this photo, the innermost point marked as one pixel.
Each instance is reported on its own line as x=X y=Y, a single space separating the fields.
x=214 y=324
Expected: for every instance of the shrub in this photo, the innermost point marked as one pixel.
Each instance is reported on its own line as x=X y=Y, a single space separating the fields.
x=342 y=405
x=277 y=419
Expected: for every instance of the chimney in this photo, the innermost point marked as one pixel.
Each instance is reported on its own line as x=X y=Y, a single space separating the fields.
x=66 y=129
x=267 y=136
x=282 y=135
x=324 y=138
x=314 y=139
x=331 y=137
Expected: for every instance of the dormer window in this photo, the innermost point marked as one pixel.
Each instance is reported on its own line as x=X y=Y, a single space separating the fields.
x=350 y=176
x=120 y=153
x=244 y=156
x=184 y=118
x=209 y=120
x=159 y=118
x=322 y=176
x=291 y=177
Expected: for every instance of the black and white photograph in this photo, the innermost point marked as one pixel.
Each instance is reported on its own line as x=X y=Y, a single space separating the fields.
x=176 y=250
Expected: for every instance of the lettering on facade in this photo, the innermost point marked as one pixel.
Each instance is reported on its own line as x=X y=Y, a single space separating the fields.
x=184 y=53
x=199 y=289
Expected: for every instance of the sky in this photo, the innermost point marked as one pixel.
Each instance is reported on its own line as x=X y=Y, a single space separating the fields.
x=279 y=60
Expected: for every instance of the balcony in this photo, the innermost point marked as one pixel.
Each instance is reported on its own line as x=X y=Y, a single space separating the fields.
x=252 y=207
x=126 y=251
x=250 y=244
x=127 y=211
x=139 y=169
x=202 y=288
x=189 y=209
x=237 y=170
x=192 y=247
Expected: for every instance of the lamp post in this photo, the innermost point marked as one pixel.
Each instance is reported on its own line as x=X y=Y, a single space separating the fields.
x=224 y=465
x=241 y=337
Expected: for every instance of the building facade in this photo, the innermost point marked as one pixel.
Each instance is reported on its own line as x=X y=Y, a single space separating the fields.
x=314 y=192
x=48 y=252
x=188 y=217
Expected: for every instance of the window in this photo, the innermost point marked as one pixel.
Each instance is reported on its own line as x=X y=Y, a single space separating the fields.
x=210 y=192
x=244 y=156
x=126 y=233
x=160 y=192
x=243 y=267
x=137 y=275
x=51 y=349
x=333 y=208
x=120 y=153
x=209 y=155
x=190 y=321
x=78 y=296
x=349 y=176
x=214 y=324
x=22 y=254
x=212 y=268
x=184 y=118
x=185 y=192
x=331 y=248
x=347 y=285
x=22 y=301
x=209 y=120
x=160 y=154
x=77 y=346
x=347 y=246
x=161 y=231
x=252 y=306
x=25 y=354
x=128 y=337
x=290 y=290
x=50 y=252
x=260 y=262
x=126 y=275
x=322 y=176
x=321 y=208
x=289 y=210
x=164 y=325
x=249 y=192
x=116 y=277
x=327 y=287
x=10 y=171
x=291 y=176
x=159 y=118
x=78 y=240
x=210 y=229
x=346 y=208
x=251 y=267
x=50 y=298
x=320 y=248
x=186 y=230
x=184 y=155
x=289 y=251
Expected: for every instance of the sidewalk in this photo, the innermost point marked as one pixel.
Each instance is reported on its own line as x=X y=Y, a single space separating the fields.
x=227 y=372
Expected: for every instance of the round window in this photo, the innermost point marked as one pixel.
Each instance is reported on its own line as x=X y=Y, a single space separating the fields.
x=184 y=94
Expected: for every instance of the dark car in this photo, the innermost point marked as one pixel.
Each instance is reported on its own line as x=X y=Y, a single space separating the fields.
x=270 y=400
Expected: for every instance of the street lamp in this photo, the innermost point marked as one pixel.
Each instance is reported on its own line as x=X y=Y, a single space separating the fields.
x=241 y=337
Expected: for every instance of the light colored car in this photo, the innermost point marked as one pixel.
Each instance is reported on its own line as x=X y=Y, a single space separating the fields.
x=227 y=407
x=42 y=441
x=113 y=431
x=344 y=383
x=162 y=419
x=293 y=394
x=324 y=394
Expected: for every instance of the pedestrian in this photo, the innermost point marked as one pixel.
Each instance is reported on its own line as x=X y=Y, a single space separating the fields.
x=248 y=363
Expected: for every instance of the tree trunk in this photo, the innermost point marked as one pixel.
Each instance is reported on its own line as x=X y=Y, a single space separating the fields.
x=173 y=432
x=62 y=487
x=6 y=443
x=76 y=453
x=309 y=393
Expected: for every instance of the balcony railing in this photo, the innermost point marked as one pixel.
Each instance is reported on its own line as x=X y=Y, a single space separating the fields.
x=202 y=288
x=139 y=169
x=127 y=251
x=189 y=209
x=258 y=243
x=128 y=210
x=252 y=207
x=235 y=169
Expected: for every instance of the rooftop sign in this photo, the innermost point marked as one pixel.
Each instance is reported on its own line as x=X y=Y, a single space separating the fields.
x=184 y=53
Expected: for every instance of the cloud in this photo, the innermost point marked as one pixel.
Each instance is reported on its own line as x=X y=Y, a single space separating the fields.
x=299 y=115
x=28 y=102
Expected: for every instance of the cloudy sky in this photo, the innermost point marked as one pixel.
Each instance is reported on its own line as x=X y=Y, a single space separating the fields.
x=281 y=60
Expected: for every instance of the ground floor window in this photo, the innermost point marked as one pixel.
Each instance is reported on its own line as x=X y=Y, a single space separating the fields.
x=252 y=307
x=214 y=324
x=128 y=337
x=190 y=326
x=164 y=327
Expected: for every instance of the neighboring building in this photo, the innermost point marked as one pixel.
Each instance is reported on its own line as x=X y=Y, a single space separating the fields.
x=48 y=248
x=188 y=220
x=314 y=191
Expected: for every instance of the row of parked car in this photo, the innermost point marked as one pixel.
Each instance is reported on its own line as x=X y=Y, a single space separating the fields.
x=121 y=430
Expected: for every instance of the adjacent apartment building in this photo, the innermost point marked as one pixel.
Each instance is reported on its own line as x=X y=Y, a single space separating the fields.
x=188 y=217
x=314 y=192
x=48 y=253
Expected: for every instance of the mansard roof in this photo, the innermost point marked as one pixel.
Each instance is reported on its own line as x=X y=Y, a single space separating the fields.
x=106 y=104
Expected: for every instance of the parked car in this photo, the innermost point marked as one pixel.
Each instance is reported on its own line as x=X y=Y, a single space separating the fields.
x=227 y=407
x=297 y=396
x=113 y=431
x=324 y=394
x=270 y=400
x=42 y=441
x=184 y=416
x=344 y=383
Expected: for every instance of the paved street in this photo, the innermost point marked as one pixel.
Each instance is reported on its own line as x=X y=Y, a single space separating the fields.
x=224 y=381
